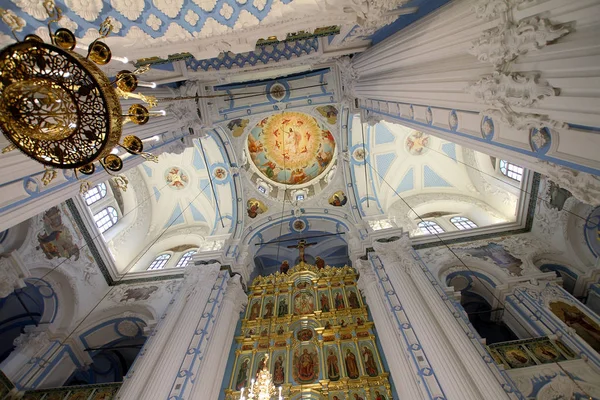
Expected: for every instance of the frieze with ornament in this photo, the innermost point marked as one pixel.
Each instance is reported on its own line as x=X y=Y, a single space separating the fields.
x=311 y=327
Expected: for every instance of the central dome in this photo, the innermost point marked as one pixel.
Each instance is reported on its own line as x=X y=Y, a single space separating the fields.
x=291 y=148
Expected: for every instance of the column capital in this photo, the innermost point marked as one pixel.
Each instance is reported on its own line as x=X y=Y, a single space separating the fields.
x=349 y=78
x=368 y=276
x=235 y=293
x=197 y=276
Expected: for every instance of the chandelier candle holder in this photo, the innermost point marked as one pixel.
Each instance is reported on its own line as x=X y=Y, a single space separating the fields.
x=262 y=388
x=59 y=108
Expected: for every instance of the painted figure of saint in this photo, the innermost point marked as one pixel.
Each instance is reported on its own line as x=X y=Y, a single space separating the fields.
x=306 y=366
x=339 y=301
x=283 y=308
x=269 y=309
x=379 y=396
x=304 y=303
x=353 y=299
x=357 y=397
x=280 y=330
x=324 y=303
x=261 y=365
x=255 y=310
x=370 y=365
x=242 y=375
x=320 y=263
x=333 y=370
x=351 y=366
x=278 y=372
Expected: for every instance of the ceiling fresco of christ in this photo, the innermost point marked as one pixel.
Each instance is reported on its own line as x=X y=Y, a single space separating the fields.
x=291 y=148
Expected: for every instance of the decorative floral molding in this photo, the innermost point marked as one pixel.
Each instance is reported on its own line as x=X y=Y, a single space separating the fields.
x=511 y=89
x=32 y=342
x=585 y=187
x=506 y=42
x=490 y=9
x=349 y=78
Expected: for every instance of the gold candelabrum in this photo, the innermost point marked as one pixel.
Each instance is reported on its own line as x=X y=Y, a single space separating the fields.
x=59 y=108
x=262 y=388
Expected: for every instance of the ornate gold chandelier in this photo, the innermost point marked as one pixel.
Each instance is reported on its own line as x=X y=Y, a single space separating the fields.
x=262 y=388
x=60 y=109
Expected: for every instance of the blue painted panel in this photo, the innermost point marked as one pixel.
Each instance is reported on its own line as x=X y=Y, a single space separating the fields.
x=432 y=179
x=197 y=160
x=156 y=193
x=384 y=162
x=196 y=214
x=176 y=217
x=383 y=135
x=450 y=150
x=147 y=169
x=408 y=182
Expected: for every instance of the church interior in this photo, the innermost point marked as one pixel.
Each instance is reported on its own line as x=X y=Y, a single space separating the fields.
x=300 y=199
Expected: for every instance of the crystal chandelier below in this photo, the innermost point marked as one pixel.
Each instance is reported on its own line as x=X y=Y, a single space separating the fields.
x=262 y=388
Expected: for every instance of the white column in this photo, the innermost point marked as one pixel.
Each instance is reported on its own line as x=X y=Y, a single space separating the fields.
x=403 y=372
x=197 y=286
x=219 y=341
x=454 y=379
x=474 y=365
x=139 y=373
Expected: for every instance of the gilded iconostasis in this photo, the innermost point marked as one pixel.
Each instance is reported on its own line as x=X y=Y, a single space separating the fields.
x=314 y=326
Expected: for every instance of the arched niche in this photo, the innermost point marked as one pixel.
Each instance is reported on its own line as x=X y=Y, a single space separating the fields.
x=13 y=238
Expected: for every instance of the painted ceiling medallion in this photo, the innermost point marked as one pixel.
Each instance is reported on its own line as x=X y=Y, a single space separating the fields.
x=176 y=178
x=291 y=148
x=416 y=143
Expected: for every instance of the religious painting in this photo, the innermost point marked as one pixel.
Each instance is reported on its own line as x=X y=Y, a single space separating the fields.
x=379 y=393
x=369 y=358
x=353 y=301
x=268 y=307
x=255 y=207
x=564 y=349
x=324 y=304
x=515 y=356
x=306 y=364
x=283 y=307
x=280 y=330
x=338 y=199
x=351 y=362
x=291 y=148
x=332 y=363
x=56 y=240
x=584 y=326
x=278 y=368
x=338 y=299
x=299 y=225
x=545 y=352
x=176 y=178
x=237 y=126
x=329 y=112
x=254 y=309
x=496 y=254
x=357 y=395
x=337 y=396
x=241 y=379
x=304 y=303
x=138 y=293
x=304 y=335
x=416 y=143
x=260 y=361
x=359 y=154
x=219 y=173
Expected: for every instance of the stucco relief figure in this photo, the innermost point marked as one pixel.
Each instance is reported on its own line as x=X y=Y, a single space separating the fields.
x=324 y=303
x=278 y=372
x=353 y=299
x=255 y=310
x=305 y=365
x=283 y=308
x=56 y=240
x=333 y=369
x=351 y=365
x=584 y=326
x=242 y=375
x=140 y=293
x=269 y=309
x=304 y=303
x=370 y=365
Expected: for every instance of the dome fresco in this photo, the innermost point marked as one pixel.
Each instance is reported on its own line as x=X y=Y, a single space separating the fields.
x=291 y=148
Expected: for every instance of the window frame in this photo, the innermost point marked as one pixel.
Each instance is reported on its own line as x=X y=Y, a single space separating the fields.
x=99 y=190
x=510 y=170
x=111 y=213
x=188 y=255
x=463 y=223
x=159 y=262
x=425 y=225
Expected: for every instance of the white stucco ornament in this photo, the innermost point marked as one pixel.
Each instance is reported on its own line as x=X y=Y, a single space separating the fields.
x=170 y=8
x=130 y=9
x=153 y=22
x=206 y=5
x=66 y=22
x=511 y=89
x=226 y=11
x=35 y=8
x=86 y=9
x=31 y=342
x=259 y=4
x=191 y=17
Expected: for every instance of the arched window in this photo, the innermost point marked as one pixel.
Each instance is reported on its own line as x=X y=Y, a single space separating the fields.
x=511 y=170
x=183 y=261
x=430 y=228
x=463 y=223
x=106 y=218
x=94 y=194
x=159 y=262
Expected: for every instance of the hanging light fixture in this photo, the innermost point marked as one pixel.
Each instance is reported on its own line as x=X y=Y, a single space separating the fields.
x=60 y=109
x=262 y=388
